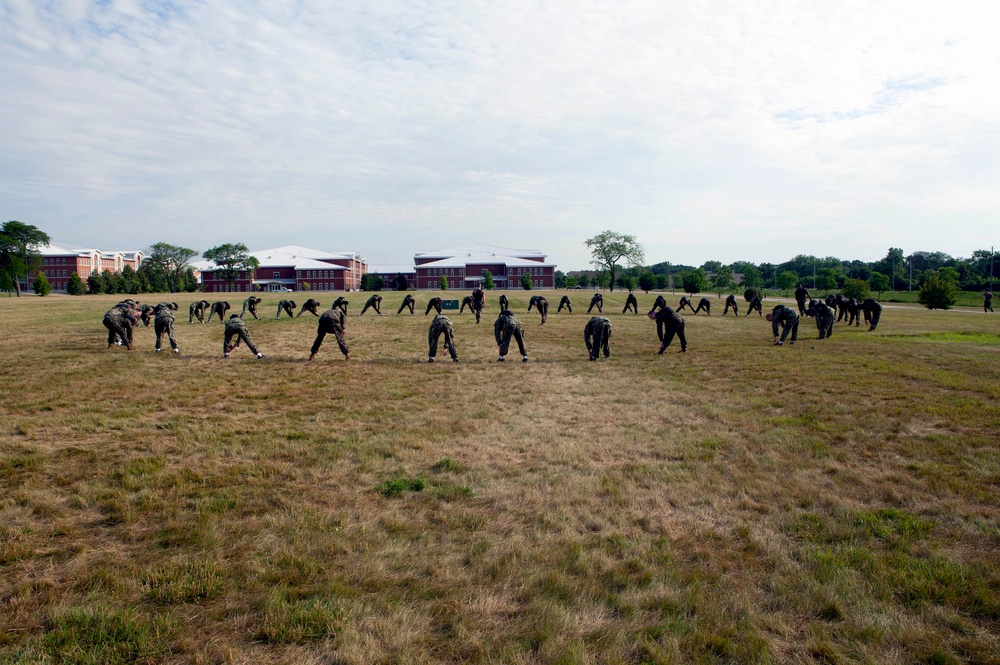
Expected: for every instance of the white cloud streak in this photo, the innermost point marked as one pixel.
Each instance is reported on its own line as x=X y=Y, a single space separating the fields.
x=723 y=130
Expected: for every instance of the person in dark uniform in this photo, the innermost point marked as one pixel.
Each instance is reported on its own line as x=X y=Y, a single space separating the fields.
x=433 y=303
x=164 y=323
x=478 y=302
x=801 y=298
x=542 y=305
x=505 y=327
x=504 y=303
x=820 y=311
x=441 y=325
x=564 y=302
x=332 y=322
x=309 y=306
x=119 y=322
x=668 y=324
x=597 y=336
x=750 y=294
x=987 y=301
x=219 y=307
x=755 y=306
x=659 y=304
x=197 y=311
x=731 y=302
x=598 y=302
x=684 y=303
x=631 y=303
x=466 y=302
x=853 y=312
x=408 y=301
x=873 y=312
x=288 y=306
x=788 y=319
x=236 y=327
x=341 y=303
x=250 y=305
x=704 y=304
x=375 y=302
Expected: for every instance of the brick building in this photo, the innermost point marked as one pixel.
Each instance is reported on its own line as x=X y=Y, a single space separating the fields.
x=291 y=268
x=59 y=263
x=465 y=267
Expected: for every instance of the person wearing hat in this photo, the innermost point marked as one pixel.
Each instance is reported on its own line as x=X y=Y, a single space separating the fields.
x=788 y=318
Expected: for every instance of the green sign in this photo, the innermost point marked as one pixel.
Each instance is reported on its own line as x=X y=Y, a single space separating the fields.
x=449 y=304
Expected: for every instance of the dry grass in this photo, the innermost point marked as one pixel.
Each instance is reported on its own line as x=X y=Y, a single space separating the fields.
x=833 y=502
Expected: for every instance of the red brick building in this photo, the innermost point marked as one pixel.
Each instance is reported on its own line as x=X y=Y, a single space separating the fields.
x=291 y=268
x=465 y=267
x=59 y=264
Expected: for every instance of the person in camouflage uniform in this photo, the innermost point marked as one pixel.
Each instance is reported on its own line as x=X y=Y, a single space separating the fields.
x=505 y=327
x=147 y=314
x=236 y=327
x=408 y=301
x=542 y=305
x=788 y=319
x=597 y=336
x=250 y=305
x=564 y=302
x=801 y=297
x=478 y=302
x=853 y=312
x=219 y=307
x=433 y=303
x=755 y=306
x=598 y=302
x=704 y=304
x=441 y=325
x=659 y=303
x=288 y=306
x=873 y=312
x=820 y=311
x=164 y=323
x=375 y=302
x=197 y=311
x=631 y=303
x=466 y=302
x=731 y=302
x=341 y=303
x=119 y=321
x=668 y=324
x=987 y=301
x=309 y=306
x=504 y=303
x=332 y=322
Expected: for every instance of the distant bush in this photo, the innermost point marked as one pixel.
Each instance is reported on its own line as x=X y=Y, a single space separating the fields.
x=857 y=289
x=938 y=292
x=41 y=284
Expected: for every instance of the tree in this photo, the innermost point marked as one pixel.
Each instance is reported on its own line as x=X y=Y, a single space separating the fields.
x=41 y=284
x=647 y=281
x=94 y=283
x=526 y=282
x=938 y=292
x=443 y=283
x=857 y=289
x=878 y=282
x=366 y=282
x=628 y=282
x=129 y=280
x=171 y=261
x=401 y=283
x=19 y=257
x=787 y=280
x=232 y=258
x=722 y=279
x=602 y=279
x=693 y=281
x=560 y=281
x=662 y=281
x=826 y=279
x=711 y=266
x=488 y=282
x=583 y=280
x=75 y=285
x=608 y=248
x=751 y=276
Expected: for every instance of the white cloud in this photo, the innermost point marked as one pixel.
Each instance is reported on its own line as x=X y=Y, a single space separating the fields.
x=721 y=130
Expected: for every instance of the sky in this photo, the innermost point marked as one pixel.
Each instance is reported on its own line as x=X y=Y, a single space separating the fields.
x=708 y=130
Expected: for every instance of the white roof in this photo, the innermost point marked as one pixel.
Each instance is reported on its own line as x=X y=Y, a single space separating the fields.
x=58 y=250
x=299 y=258
x=480 y=258
x=391 y=269
x=477 y=249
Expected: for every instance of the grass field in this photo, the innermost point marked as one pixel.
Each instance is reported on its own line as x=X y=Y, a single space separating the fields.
x=832 y=502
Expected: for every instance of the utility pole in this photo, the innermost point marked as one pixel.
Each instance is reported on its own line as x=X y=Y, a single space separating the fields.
x=991 y=267
x=911 y=272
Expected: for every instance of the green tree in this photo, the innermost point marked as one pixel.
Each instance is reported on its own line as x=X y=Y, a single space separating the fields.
x=693 y=281
x=110 y=282
x=628 y=282
x=826 y=279
x=722 y=279
x=41 y=284
x=443 y=283
x=583 y=280
x=878 y=282
x=662 y=281
x=401 y=283
x=488 y=282
x=560 y=281
x=751 y=276
x=190 y=281
x=602 y=279
x=526 y=282
x=938 y=292
x=647 y=281
x=129 y=280
x=857 y=289
x=19 y=253
x=94 y=283
x=787 y=281
x=609 y=247
x=711 y=266
x=171 y=260
x=231 y=259
x=367 y=282
x=75 y=285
